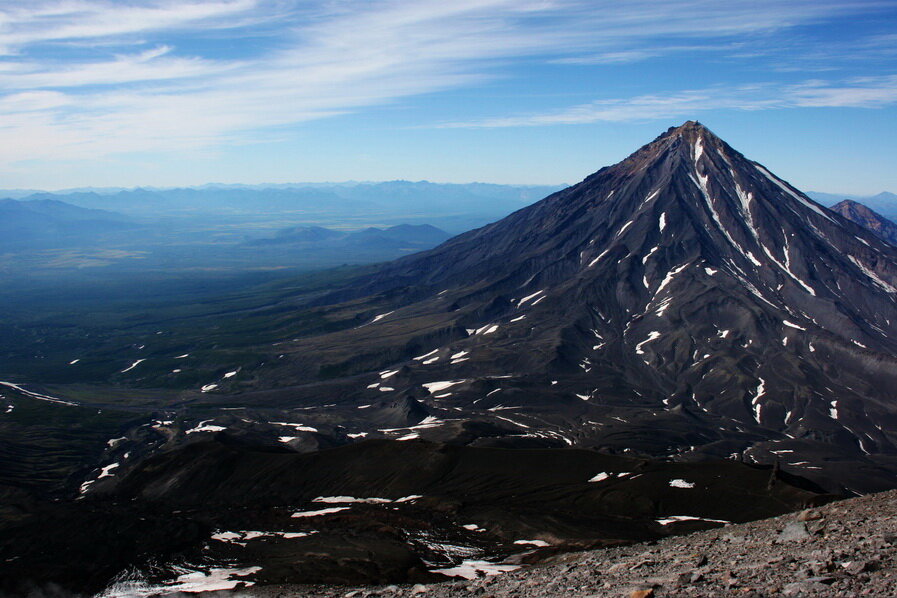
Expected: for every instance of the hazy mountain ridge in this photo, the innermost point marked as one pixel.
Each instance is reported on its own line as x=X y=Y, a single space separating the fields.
x=884 y=203
x=50 y=222
x=343 y=198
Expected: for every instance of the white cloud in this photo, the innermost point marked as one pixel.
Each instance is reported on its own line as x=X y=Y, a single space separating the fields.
x=867 y=92
x=45 y=21
x=870 y=92
x=139 y=88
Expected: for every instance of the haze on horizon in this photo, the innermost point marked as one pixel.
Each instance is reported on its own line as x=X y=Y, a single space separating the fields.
x=168 y=93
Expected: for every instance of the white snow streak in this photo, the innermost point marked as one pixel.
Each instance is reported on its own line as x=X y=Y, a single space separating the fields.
x=133 y=365
x=669 y=277
x=442 y=385
x=319 y=512
x=761 y=390
x=595 y=261
x=872 y=275
x=785 y=188
x=651 y=336
x=674 y=518
x=528 y=297
x=38 y=396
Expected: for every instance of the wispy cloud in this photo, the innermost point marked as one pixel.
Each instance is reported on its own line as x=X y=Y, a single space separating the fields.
x=40 y=22
x=147 y=81
x=869 y=92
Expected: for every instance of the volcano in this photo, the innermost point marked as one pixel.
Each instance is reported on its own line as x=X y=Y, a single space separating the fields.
x=683 y=307
x=686 y=303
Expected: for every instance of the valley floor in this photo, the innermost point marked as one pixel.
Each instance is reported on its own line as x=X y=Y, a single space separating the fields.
x=847 y=548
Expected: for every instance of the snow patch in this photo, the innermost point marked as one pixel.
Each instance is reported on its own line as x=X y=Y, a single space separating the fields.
x=755 y=401
x=674 y=518
x=442 y=385
x=205 y=426
x=106 y=471
x=529 y=297
x=299 y=427
x=669 y=277
x=649 y=254
x=132 y=366
x=473 y=569
x=651 y=336
x=319 y=512
x=331 y=500
x=680 y=483
x=489 y=328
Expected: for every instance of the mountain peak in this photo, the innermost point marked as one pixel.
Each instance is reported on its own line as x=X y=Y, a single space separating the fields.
x=690 y=129
x=684 y=297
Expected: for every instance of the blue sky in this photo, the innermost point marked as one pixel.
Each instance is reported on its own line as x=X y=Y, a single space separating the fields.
x=165 y=93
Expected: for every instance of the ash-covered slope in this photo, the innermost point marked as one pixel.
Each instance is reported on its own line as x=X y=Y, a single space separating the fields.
x=376 y=512
x=867 y=218
x=684 y=302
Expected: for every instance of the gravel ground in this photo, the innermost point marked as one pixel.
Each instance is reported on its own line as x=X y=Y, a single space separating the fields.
x=847 y=548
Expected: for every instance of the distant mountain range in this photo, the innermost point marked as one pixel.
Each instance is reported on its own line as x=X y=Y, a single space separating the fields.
x=53 y=223
x=405 y=199
x=884 y=203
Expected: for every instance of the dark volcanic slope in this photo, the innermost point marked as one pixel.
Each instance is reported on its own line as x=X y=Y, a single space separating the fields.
x=685 y=302
x=375 y=512
x=867 y=218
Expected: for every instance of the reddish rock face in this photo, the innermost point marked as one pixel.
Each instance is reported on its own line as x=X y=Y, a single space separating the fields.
x=867 y=218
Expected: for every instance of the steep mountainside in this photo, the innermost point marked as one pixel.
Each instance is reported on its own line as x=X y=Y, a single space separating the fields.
x=685 y=302
x=857 y=212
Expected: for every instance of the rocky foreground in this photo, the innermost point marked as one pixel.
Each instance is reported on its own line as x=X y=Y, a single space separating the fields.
x=847 y=548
